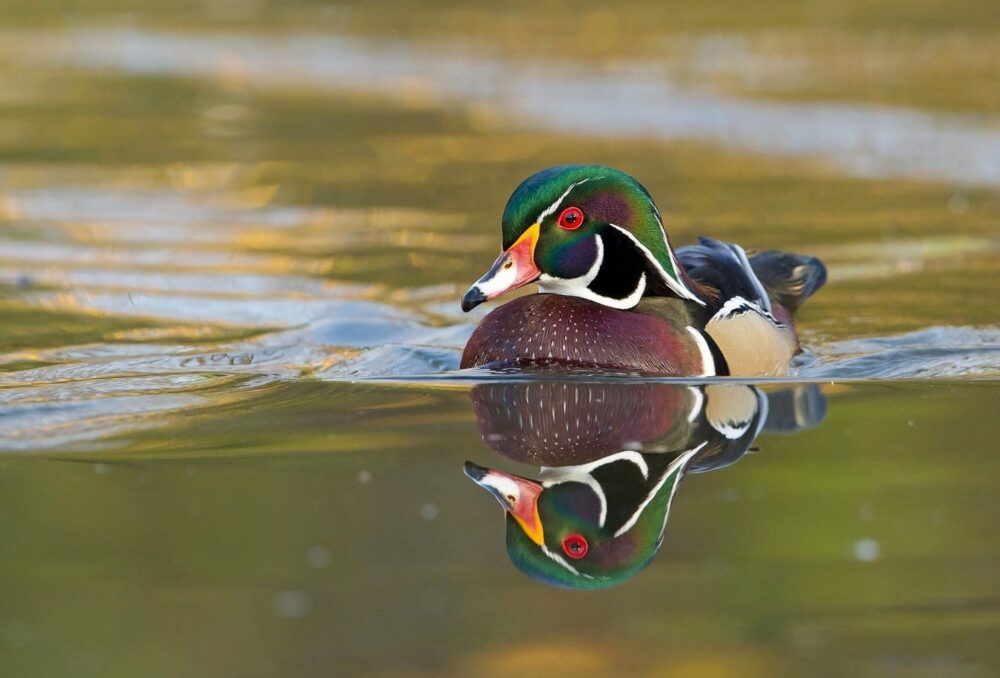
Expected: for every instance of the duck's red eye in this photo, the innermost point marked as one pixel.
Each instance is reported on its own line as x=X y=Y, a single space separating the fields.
x=575 y=546
x=571 y=218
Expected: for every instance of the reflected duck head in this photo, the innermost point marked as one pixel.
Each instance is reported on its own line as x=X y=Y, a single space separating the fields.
x=586 y=231
x=590 y=526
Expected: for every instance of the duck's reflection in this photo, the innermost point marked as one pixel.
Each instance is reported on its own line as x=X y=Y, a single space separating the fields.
x=612 y=456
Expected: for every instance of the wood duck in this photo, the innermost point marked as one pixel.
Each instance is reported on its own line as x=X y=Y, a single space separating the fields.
x=616 y=295
x=597 y=513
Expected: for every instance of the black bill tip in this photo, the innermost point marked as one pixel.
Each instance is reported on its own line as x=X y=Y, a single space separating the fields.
x=474 y=471
x=472 y=298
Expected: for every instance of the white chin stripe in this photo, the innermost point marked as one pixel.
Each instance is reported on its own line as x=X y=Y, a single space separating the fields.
x=554 y=285
x=579 y=287
x=571 y=286
x=551 y=476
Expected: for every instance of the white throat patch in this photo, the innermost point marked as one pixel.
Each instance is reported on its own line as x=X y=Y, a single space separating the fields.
x=579 y=287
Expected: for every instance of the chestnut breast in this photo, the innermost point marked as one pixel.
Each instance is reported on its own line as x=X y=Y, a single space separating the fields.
x=559 y=330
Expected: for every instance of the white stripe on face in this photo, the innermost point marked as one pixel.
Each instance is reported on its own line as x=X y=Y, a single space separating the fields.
x=551 y=476
x=562 y=561
x=677 y=465
x=666 y=240
x=571 y=286
x=554 y=206
x=580 y=287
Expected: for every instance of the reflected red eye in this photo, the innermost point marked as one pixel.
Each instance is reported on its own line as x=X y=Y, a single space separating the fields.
x=575 y=546
x=571 y=218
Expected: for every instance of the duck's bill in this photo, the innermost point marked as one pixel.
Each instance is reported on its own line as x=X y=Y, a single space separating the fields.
x=514 y=268
x=518 y=496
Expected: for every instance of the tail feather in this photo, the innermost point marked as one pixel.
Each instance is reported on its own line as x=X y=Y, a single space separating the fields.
x=789 y=278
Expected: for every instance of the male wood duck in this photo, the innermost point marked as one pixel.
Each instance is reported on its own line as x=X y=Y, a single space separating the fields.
x=616 y=295
x=597 y=513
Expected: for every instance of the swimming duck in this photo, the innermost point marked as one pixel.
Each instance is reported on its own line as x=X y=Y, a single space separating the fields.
x=615 y=294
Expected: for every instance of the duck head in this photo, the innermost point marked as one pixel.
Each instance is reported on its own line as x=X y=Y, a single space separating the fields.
x=587 y=231
x=590 y=526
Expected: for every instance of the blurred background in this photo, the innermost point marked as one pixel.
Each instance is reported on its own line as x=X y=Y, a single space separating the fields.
x=233 y=237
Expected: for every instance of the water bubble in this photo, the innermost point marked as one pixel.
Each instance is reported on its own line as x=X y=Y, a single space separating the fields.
x=428 y=512
x=291 y=604
x=318 y=557
x=866 y=550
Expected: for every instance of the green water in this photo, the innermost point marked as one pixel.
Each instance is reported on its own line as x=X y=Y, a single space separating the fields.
x=233 y=237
